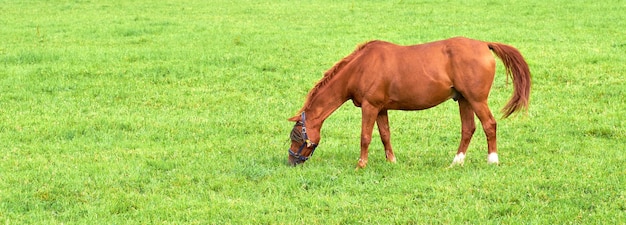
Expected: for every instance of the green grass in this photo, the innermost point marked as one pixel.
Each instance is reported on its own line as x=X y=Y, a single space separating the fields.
x=175 y=112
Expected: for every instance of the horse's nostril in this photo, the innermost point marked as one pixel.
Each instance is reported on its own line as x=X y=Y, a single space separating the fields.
x=292 y=161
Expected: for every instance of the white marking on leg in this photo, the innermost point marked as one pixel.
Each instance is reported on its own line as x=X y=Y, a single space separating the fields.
x=493 y=158
x=459 y=159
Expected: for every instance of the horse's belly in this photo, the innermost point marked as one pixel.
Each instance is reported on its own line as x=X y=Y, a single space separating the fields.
x=414 y=105
x=418 y=100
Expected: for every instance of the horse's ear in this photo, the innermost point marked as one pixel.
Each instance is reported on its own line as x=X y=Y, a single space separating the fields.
x=294 y=119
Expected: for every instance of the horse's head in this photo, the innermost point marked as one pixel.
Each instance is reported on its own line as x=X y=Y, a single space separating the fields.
x=301 y=147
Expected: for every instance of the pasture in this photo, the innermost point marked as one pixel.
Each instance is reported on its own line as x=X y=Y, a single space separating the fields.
x=175 y=112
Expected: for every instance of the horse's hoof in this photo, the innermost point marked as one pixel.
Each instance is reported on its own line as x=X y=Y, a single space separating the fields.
x=459 y=159
x=492 y=158
x=362 y=163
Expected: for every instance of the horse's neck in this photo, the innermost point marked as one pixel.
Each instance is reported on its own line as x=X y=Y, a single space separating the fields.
x=326 y=100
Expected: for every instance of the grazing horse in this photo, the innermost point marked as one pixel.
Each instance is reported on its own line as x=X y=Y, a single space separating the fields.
x=380 y=76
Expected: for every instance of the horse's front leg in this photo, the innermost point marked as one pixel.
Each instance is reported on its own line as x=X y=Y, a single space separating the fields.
x=369 y=115
x=385 y=135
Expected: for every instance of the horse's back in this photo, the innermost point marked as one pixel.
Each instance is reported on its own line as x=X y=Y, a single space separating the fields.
x=419 y=76
x=458 y=50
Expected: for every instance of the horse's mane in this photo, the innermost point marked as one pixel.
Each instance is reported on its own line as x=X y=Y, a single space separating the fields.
x=330 y=73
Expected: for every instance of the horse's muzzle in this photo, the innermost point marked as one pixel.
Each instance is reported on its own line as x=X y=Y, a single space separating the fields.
x=295 y=159
x=292 y=161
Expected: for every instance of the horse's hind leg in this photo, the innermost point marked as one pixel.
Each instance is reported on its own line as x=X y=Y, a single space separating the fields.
x=385 y=135
x=489 y=126
x=467 y=130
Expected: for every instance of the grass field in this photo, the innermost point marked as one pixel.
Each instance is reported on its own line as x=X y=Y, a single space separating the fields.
x=174 y=112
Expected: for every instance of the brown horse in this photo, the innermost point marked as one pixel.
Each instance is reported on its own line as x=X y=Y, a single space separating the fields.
x=379 y=76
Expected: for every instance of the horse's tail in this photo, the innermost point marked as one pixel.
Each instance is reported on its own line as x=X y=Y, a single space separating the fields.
x=517 y=69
